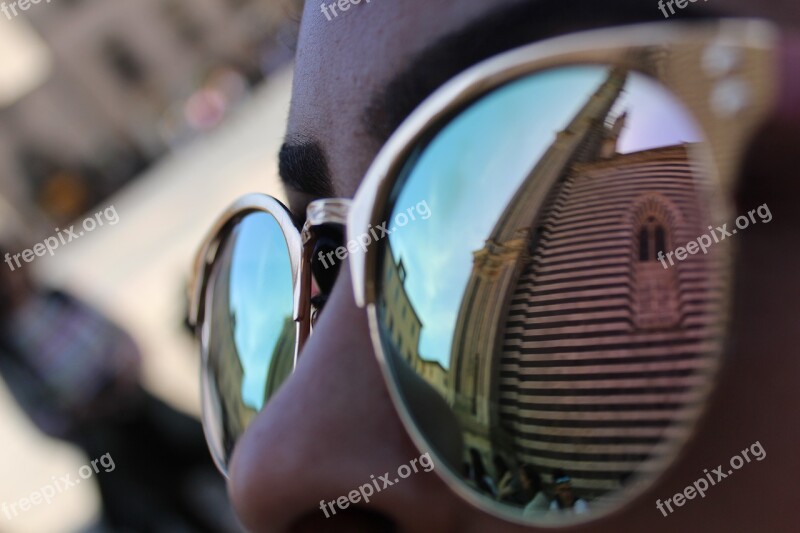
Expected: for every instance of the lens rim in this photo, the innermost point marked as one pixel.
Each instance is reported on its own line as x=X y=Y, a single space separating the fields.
x=630 y=48
x=203 y=283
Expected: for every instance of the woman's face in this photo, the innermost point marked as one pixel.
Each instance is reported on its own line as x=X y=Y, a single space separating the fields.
x=332 y=424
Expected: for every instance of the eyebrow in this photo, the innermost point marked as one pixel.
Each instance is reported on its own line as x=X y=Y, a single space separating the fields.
x=303 y=165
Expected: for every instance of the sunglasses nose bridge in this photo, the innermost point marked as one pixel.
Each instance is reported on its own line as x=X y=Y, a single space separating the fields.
x=326 y=211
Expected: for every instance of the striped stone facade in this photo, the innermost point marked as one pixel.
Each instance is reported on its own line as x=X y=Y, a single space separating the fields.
x=604 y=349
x=575 y=349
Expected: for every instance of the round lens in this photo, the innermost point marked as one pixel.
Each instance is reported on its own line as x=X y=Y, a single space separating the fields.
x=551 y=293
x=249 y=332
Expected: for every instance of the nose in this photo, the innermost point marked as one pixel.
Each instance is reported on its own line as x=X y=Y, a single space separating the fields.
x=329 y=430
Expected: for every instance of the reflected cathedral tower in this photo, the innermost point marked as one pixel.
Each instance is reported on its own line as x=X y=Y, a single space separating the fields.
x=575 y=348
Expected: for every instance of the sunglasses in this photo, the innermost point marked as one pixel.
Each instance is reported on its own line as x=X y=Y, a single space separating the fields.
x=537 y=251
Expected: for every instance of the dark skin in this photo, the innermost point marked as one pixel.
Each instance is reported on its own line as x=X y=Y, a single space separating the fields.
x=333 y=423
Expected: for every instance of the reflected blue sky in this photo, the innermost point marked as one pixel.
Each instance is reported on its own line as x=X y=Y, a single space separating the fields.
x=260 y=298
x=655 y=117
x=471 y=170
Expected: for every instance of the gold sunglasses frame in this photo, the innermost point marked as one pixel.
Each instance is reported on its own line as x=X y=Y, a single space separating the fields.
x=687 y=55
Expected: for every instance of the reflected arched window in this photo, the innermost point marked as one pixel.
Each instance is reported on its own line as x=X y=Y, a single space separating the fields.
x=652 y=240
x=644 y=245
x=661 y=239
x=655 y=290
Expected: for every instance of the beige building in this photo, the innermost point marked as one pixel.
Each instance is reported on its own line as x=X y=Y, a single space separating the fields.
x=404 y=325
x=116 y=72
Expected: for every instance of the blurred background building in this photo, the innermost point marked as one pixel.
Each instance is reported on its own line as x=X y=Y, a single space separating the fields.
x=166 y=109
x=103 y=88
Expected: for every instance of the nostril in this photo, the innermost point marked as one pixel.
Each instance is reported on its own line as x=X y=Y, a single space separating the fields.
x=353 y=520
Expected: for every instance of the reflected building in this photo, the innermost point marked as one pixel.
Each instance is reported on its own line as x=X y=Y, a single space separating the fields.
x=227 y=366
x=597 y=348
x=404 y=325
x=281 y=363
x=114 y=78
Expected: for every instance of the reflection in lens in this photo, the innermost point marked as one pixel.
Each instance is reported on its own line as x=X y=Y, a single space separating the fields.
x=568 y=348
x=251 y=333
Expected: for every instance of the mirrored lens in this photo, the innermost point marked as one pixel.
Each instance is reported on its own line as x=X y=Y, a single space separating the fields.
x=551 y=337
x=249 y=333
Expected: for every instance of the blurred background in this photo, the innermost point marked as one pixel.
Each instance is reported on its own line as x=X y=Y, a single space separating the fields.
x=165 y=109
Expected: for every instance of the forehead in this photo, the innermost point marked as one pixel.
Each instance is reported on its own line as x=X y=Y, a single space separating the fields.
x=345 y=61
